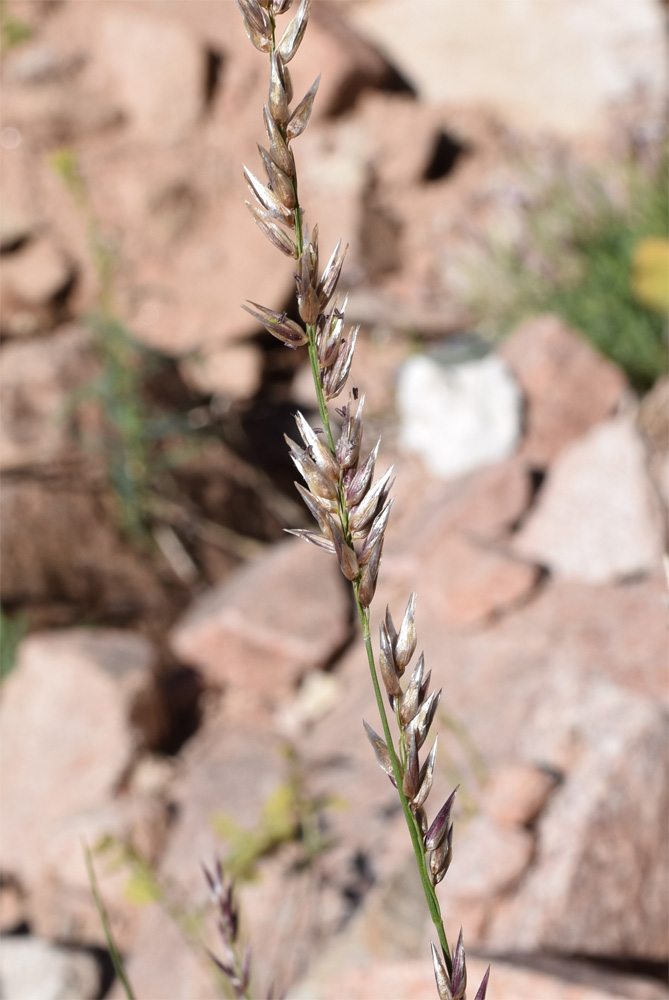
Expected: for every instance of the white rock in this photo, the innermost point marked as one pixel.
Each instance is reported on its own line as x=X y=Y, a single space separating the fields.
x=461 y=417
x=510 y=55
x=31 y=969
x=598 y=518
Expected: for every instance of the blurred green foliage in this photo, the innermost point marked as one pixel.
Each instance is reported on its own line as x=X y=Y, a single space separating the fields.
x=135 y=435
x=580 y=259
x=13 y=628
x=13 y=31
x=289 y=814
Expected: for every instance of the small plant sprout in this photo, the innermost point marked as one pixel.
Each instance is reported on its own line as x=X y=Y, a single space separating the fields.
x=349 y=506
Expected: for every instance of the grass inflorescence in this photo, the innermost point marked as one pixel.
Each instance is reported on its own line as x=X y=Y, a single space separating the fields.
x=349 y=506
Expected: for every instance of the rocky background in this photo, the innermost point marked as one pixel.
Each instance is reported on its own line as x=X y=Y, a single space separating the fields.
x=180 y=680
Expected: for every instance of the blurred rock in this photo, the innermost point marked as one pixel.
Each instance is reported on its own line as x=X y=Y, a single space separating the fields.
x=508 y=56
x=460 y=417
x=382 y=118
x=56 y=115
x=38 y=383
x=334 y=179
x=233 y=372
x=31 y=969
x=158 y=67
x=13 y=913
x=466 y=582
x=516 y=793
x=163 y=963
x=276 y=617
x=34 y=281
x=413 y=979
x=75 y=710
x=597 y=518
x=482 y=506
x=499 y=672
x=354 y=64
x=568 y=387
x=61 y=904
x=38 y=63
x=609 y=818
x=653 y=422
x=62 y=544
x=16 y=227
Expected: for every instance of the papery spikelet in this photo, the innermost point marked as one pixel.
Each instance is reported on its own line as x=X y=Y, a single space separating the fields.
x=387 y=663
x=440 y=858
x=350 y=438
x=374 y=539
x=483 y=988
x=329 y=335
x=423 y=720
x=426 y=777
x=369 y=575
x=348 y=561
x=278 y=149
x=270 y=202
x=410 y=700
x=441 y=976
x=319 y=484
x=412 y=773
x=335 y=378
x=362 y=514
x=256 y=24
x=278 y=325
x=328 y=282
x=381 y=752
x=279 y=181
x=440 y=825
x=359 y=484
x=310 y=536
x=406 y=638
x=292 y=36
x=299 y=119
x=321 y=454
x=278 y=98
x=274 y=234
x=317 y=508
x=459 y=970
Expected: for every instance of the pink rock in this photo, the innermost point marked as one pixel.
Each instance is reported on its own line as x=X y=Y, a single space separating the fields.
x=516 y=793
x=482 y=506
x=491 y=860
x=598 y=518
x=159 y=70
x=37 y=379
x=164 y=964
x=33 y=279
x=69 y=735
x=461 y=580
x=568 y=386
x=61 y=904
x=233 y=372
x=413 y=979
x=273 y=619
x=473 y=583
x=608 y=816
